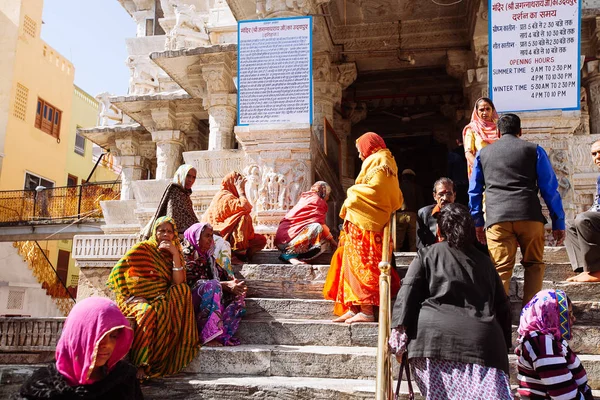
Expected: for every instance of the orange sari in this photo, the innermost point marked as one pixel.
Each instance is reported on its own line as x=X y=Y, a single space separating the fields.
x=229 y=214
x=353 y=277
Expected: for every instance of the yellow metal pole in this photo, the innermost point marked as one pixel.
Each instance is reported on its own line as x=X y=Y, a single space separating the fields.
x=383 y=382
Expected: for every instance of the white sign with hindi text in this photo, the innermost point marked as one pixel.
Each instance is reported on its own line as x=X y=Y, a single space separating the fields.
x=534 y=54
x=275 y=71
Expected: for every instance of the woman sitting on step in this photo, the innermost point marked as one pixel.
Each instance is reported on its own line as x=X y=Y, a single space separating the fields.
x=149 y=284
x=454 y=314
x=219 y=298
x=302 y=234
x=548 y=368
x=229 y=214
x=89 y=358
x=176 y=202
x=353 y=278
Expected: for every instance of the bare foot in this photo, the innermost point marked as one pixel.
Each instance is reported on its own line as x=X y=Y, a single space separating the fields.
x=361 y=317
x=214 y=343
x=585 y=277
x=295 y=261
x=141 y=374
x=349 y=314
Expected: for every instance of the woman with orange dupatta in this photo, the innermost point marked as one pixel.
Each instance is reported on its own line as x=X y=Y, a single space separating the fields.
x=481 y=131
x=229 y=215
x=353 y=279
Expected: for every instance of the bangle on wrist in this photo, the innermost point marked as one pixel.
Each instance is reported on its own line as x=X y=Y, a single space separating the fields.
x=178 y=269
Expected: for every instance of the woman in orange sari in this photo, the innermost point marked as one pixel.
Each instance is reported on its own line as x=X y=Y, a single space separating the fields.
x=229 y=215
x=353 y=279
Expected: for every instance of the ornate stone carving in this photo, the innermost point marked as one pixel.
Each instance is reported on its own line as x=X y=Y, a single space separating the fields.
x=281 y=8
x=189 y=29
x=168 y=158
x=108 y=112
x=560 y=162
x=143 y=77
x=212 y=166
x=347 y=74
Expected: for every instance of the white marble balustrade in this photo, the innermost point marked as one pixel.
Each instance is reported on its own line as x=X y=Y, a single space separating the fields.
x=101 y=247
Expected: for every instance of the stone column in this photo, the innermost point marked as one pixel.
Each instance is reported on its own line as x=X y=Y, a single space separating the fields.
x=169 y=146
x=222 y=104
x=131 y=164
x=591 y=81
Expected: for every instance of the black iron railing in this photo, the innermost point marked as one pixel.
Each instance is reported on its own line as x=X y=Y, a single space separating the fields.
x=56 y=205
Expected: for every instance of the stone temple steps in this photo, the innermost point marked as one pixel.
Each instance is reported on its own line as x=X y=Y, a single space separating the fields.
x=291 y=349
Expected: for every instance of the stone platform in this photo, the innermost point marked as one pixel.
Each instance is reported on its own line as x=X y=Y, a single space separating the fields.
x=292 y=350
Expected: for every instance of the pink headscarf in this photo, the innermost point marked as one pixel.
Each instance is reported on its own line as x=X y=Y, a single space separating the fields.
x=192 y=235
x=87 y=324
x=547 y=313
x=311 y=208
x=486 y=130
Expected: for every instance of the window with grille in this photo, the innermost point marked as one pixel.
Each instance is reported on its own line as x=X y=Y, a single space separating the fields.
x=29 y=26
x=79 y=142
x=21 y=102
x=48 y=118
x=16 y=300
x=32 y=181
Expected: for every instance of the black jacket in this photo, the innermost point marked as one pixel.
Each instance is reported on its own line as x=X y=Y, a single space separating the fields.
x=426 y=227
x=48 y=383
x=454 y=307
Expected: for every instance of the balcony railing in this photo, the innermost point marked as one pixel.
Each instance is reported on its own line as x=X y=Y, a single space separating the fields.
x=56 y=205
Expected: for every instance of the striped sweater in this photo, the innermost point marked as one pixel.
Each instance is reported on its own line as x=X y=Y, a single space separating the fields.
x=548 y=369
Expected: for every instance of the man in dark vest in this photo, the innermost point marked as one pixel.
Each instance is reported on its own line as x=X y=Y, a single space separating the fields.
x=583 y=236
x=513 y=171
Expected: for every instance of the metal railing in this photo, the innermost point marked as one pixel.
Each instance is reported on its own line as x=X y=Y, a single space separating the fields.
x=383 y=388
x=57 y=204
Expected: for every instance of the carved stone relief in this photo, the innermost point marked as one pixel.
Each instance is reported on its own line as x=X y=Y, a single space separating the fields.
x=189 y=30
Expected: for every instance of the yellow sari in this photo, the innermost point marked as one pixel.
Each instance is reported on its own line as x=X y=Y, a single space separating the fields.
x=353 y=277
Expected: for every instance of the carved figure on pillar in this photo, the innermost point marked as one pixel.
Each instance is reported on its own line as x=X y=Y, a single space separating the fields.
x=560 y=163
x=252 y=183
x=108 y=112
x=143 y=79
x=189 y=29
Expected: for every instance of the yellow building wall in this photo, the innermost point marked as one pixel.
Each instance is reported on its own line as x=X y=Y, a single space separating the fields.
x=84 y=111
x=39 y=71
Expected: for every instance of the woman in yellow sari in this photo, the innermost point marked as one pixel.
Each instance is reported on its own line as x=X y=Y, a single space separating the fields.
x=481 y=131
x=149 y=284
x=353 y=279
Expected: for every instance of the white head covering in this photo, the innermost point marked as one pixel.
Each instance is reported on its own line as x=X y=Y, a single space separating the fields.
x=181 y=173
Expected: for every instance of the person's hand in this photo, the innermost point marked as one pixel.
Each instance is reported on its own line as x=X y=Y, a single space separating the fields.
x=237 y=287
x=240 y=184
x=480 y=233
x=559 y=237
x=168 y=247
x=399 y=357
x=334 y=244
x=134 y=300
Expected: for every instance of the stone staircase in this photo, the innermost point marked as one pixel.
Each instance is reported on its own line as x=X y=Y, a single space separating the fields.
x=291 y=350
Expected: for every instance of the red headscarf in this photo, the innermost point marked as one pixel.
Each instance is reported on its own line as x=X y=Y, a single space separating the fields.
x=486 y=130
x=369 y=143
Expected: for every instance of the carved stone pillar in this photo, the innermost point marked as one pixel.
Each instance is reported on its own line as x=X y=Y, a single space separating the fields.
x=131 y=164
x=591 y=81
x=476 y=84
x=221 y=104
x=169 y=146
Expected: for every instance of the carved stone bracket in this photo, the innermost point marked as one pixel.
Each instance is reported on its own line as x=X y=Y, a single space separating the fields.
x=476 y=84
x=286 y=8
